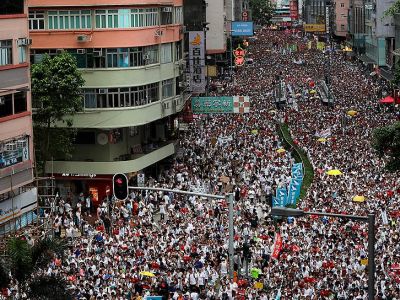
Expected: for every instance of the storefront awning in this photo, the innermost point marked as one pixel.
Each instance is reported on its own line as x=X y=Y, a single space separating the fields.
x=367 y=59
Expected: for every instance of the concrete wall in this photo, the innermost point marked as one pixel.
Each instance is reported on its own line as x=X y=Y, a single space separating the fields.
x=341 y=17
x=216 y=36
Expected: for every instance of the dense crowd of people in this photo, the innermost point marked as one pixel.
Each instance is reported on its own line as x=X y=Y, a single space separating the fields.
x=176 y=246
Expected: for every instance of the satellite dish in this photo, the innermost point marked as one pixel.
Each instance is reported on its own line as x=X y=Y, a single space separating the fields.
x=102 y=139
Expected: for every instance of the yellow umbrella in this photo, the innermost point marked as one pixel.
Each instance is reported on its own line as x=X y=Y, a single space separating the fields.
x=272 y=111
x=254 y=131
x=281 y=150
x=352 y=112
x=334 y=172
x=358 y=198
x=146 y=273
x=322 y=140
x=313 y=91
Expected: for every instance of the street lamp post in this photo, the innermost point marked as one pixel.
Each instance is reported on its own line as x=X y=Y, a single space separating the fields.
x=228 y=197
x=286 y=212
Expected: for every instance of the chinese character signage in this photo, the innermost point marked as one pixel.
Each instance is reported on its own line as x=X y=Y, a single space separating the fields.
x=314 y=27
x=197 y=62
x=239 y=54
x=14 y=152
x=242 y=29
x=294 y=10
x=217 y=105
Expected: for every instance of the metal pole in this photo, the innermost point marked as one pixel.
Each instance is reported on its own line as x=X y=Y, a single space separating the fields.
x=371 y=256
x=230 y=250
x=231 y=56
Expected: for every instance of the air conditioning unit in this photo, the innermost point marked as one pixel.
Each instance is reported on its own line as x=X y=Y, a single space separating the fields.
x=97 y=52
x=24 y=42
x=59 y=51
x=103 y=91
x=81 y=38
x=80 y=51
x=146 y=56
x=167 y=9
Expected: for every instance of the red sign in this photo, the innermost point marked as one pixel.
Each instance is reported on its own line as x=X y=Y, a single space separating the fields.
x=239 y=54
x=294 y=10
x=245 y=16
x=277 y=246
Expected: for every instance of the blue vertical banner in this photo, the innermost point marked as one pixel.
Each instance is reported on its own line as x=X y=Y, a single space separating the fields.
x=297 y=170
x=281 y=194
x=291 y=199
x=275 y=202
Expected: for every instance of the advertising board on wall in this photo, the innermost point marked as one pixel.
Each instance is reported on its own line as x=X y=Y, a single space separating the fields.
x=197 y=62
x=242 y=29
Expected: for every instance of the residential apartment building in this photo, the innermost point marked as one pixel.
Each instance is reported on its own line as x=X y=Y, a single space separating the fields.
x=131 y=58
x=18 y=198
x=340 y=22
x=379 y=33
x=314 y=11
x=356 y=26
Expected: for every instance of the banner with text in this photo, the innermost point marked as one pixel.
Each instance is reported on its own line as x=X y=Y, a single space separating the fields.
x=197 y=62
x=218 y=105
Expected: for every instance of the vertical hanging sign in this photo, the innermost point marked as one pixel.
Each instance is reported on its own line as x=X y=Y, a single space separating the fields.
x=197 y=62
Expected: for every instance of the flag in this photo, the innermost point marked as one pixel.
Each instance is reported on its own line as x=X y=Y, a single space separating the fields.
x=281 y=194
x=277 y=246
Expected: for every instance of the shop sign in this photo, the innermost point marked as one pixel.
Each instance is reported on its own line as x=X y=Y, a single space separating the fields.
x=78 y=175
x=197 y=62
x=314 y=27
x=14 y=152
x=20 y=204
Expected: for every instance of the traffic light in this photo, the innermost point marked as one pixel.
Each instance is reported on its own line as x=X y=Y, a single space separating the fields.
x=120 y=186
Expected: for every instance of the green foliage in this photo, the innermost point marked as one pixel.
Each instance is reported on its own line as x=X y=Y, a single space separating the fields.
x=300 y=156
x=262 y=11
x=394 y=9
x=20 y=259
x=25 y=263
x=386 y=141
x=396 y=80
x=56 y=97
x=48 y=288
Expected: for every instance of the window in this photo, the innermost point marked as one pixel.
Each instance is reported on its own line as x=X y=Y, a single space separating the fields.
x=20 y=102
x=6 y=52
x=36 y=20
x=144 y=17
x=167 y=88
x=342 y=28
x=178 y=16
x=166 y=15
x=6 y=106
x=151 y=55
x=121 y=97
x=69 y=19
x=107 y=18
x=21 y=51
x=341 y=4
x=101 y=19
x=178 y=51
x=11 y=7
x=166 y=53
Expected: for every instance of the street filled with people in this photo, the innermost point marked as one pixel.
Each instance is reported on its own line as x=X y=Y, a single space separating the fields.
x=176 y=246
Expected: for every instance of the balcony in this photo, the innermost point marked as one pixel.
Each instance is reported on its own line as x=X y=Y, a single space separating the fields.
x=127 y=116
x=128 y=163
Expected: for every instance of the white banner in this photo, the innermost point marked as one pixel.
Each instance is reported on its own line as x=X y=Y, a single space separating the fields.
x=17 y=206
x=197 y=62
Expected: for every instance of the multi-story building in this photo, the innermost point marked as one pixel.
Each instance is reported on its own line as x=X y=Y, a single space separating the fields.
x=379 y=33
x=356 y=26
x=18 y=198
x=314 y=11
x=130 y=53
x=340 y=22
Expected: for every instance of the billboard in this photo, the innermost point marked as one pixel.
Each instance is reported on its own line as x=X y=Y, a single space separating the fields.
x=294 y=10
x=314 y=27
x=242 y=29
x=197 y=71
x=220 y=105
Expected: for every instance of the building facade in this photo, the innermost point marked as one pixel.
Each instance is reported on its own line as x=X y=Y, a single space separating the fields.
x=17 y=196
x=131 y=58
x=356 y=26
x=314 y=11
x=340 y=22
x=379 y=33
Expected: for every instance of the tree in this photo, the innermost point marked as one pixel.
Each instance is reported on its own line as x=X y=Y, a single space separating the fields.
x=386 y=141
x=56 y=97
x=392 y=10
x=26 y=263
x=262 y=11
